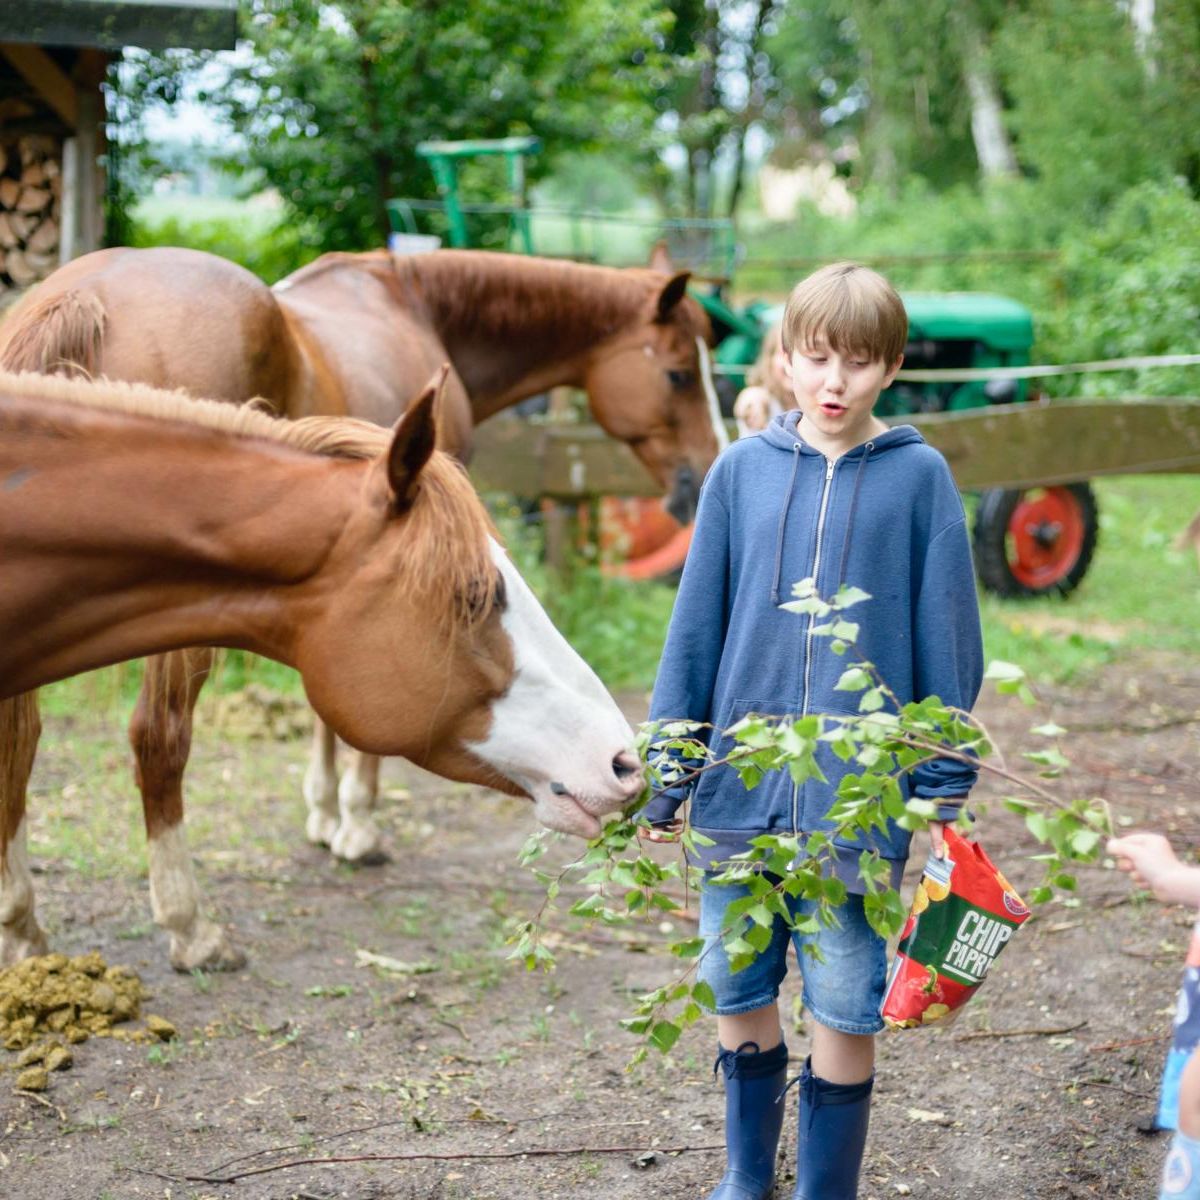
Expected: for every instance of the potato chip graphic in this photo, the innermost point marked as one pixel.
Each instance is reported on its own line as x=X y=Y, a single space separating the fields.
x=920 y=899
x=935 y=1012
x=936 y=889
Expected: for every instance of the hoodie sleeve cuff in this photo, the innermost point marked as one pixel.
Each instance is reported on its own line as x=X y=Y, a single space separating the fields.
x=949 y=810
x=661 y=810
x=944 y=779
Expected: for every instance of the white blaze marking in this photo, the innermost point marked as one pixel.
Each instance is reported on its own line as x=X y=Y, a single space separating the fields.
x=556 y=723
x=710 y=394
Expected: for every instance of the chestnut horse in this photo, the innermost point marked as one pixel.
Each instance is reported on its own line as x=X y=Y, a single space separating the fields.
x=134 y=522
x=356 y=334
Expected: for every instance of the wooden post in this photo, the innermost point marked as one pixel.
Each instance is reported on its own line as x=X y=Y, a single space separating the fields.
x=68 y=233
x=557 y=518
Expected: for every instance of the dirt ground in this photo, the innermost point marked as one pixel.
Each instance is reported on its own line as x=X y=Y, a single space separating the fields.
x=496 y=1084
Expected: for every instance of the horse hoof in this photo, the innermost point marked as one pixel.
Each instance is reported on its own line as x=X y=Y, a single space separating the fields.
x=361 y=845
x=320 y=828
x=15 y=949
x=209 y=950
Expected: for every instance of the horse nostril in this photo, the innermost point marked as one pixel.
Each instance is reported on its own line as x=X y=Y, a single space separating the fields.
x=626 y=765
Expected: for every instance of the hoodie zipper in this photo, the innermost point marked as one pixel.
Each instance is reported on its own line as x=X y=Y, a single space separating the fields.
x=808 y=634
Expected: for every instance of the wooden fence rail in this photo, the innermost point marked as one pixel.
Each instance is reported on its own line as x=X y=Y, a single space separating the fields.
x=1014 y=447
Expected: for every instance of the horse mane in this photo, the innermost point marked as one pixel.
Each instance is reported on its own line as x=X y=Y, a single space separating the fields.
x=461 y=583
x=329 y=437
x=508 y=295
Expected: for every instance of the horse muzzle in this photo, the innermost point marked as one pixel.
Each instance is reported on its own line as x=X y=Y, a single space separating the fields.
x=682 y=500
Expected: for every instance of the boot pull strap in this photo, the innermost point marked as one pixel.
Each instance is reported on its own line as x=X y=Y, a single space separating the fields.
x=730 y=1056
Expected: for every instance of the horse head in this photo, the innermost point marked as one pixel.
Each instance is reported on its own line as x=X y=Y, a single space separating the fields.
x=650 y=384
x=455 y=665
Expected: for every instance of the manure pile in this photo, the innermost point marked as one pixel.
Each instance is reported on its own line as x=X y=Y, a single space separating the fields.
x=51 y=1003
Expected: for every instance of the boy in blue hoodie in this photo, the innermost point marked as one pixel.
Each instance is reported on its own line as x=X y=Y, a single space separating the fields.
x=828 y=492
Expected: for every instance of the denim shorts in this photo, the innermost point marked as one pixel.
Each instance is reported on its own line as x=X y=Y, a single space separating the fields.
x=843 y=992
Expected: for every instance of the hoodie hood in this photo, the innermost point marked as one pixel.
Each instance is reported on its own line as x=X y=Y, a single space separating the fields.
x=787 y=429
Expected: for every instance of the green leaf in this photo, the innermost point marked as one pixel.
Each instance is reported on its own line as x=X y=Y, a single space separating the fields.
x=848 y=596
x=853 y=679
x=1003 y=672
x=702 y=993
x=665 y=1035
x=1038 y=825
x=688 y=949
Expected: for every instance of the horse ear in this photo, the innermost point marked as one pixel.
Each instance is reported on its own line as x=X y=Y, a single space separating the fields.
x=413 y=442
x=660 y=257
x=673 y=291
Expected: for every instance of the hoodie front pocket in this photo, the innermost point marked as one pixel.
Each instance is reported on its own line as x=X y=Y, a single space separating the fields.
x=722 y=801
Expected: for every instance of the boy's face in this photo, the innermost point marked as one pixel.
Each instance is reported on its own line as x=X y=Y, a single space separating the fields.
x=836 y=391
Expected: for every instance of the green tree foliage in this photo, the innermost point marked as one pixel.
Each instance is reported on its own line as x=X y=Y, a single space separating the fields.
x=334 y=95
x=1087 y=114
x=719 y=82
x=338 y=95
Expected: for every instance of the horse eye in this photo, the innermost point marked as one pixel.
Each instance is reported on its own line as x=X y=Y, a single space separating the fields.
x=477 y=597
x=681 y=379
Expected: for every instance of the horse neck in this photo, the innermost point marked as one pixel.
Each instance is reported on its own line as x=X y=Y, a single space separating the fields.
x=517 y=326
x=235 y=525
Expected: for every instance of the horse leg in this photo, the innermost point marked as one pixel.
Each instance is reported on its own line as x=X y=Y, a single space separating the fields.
x=321 y=787
x=20 y=728
x=161 y=736
x=358 y=839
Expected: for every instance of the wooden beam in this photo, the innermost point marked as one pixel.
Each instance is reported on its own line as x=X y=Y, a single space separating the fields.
x=45 y=75
x=1012 y=446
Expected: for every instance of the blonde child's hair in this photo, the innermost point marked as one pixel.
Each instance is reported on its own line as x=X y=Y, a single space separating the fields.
x=852 y=308
x=761 y=375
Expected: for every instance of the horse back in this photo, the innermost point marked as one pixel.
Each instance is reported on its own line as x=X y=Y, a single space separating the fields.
x=164 y=316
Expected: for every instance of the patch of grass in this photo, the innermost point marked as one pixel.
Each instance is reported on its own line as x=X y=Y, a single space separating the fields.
x=333 y=991
x=1140 y=595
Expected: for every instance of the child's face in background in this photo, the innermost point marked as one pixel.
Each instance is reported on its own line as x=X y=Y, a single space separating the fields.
x=836 y=391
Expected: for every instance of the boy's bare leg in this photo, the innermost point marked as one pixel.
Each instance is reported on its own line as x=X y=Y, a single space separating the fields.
x=760 y=1025
x=845 y=1057
x=836 y=1057
x=1189 y=1098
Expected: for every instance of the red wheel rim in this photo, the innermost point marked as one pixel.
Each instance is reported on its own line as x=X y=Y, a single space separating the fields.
x=1045 y=537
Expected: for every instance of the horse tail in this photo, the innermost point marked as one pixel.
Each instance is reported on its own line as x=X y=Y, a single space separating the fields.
x=59 y=334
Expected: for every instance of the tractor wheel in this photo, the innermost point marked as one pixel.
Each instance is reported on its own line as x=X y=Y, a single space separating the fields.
x=1035 y=542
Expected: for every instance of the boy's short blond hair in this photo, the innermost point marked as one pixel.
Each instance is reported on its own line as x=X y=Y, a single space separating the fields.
x=852 y=308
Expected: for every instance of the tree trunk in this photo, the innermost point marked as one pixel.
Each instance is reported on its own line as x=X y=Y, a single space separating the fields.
x=992 y=146
x=754 y=103
x=1141 y=14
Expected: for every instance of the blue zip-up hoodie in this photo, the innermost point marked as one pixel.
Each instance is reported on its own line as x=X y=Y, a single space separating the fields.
x=885 y=517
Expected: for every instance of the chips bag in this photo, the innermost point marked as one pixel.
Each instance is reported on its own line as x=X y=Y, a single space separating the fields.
x=1185 y=1038
x=963 y=914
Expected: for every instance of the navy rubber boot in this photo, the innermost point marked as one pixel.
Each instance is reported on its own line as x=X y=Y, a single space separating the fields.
x=754 y=1107
x=831 y=1137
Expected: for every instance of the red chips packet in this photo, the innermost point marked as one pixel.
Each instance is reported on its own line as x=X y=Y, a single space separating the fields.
x=963 y=914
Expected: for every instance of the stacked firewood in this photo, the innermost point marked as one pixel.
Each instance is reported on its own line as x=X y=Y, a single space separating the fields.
x=30 y=191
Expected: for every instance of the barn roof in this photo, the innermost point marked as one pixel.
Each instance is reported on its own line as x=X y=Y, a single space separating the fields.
x=111 y=24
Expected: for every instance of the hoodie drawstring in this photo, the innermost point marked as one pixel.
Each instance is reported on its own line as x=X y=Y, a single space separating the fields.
x=862 y=462
x=787 y=503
